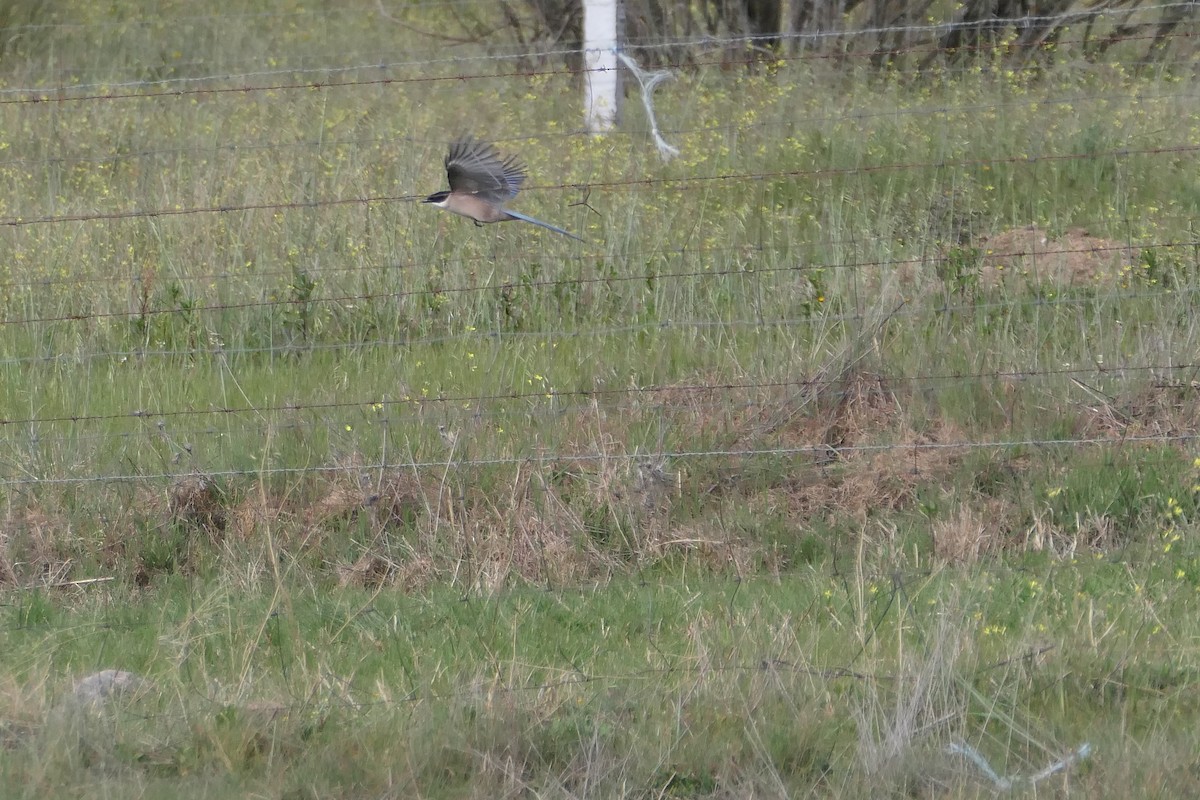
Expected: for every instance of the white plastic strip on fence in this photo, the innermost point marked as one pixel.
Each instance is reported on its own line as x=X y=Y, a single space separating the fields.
x=648 y=81
x=1004 y=784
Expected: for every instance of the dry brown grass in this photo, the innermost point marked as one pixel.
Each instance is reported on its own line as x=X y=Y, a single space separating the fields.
x=534 y=536
x=400 y=512
x=864 y=454
x=196 y=501
x=34 y=547
x=848 y=478
x=1164 y=409
x=397 y=498
x=974 y=528
x=1093 y=532
x=257 y=511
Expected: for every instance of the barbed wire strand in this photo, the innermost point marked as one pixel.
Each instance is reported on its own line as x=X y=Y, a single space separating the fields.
x=567 y=333
x=631 y=137
x=123 y=91
x=748 y=251
x=747 y=272
x=675 y=183
x=240 y=17
x=557 y=395
x=704 y=40
x=664 y=456
x=688 y=399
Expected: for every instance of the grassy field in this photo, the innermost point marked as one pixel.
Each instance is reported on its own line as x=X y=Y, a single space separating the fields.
x=864 y=428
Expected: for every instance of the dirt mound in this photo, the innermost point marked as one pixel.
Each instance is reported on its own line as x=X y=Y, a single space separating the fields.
x=1031 y=255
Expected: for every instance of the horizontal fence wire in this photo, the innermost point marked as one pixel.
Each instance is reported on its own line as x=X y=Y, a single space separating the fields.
x=473 y=401
x=758 y=324
x=822 y=451
x=990 y=24
x=51 y=97
x=561 y=334
x=234 y=17
x=118 y=91
x=748 y=270
x=702 y=41
x=634 y=138
x=429 y=410
x=543 y=402
x=674 y=183
x=185 y=442
x=241 y=17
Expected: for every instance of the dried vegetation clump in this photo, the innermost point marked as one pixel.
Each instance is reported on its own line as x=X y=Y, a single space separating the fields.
x=865 y=455
x=34 y=547
x=197 y=502
x=976 y=527
x=1164 y=409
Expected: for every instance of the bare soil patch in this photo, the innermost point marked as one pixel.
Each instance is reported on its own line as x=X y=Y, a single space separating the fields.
x=1031 y=255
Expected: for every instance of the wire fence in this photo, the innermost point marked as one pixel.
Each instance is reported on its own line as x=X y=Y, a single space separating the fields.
x=500 y=336
x=825 y=453
x=747 y=269
x=1138 y=14
x=682 y=183
x=604 y=398
x=118 y=91
x=50 y=317
x=632 y=138
x=165 y=272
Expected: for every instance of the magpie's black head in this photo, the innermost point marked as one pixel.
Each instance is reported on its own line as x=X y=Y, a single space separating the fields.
x=436 y=197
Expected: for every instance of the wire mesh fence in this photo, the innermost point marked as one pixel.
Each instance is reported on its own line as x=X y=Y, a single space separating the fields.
x=141 y=237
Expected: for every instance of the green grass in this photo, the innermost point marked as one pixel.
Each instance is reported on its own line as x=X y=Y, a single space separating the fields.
x=804 y=467
x=698 y=685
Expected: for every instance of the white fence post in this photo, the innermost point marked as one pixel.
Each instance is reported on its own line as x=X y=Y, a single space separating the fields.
x=603 y=23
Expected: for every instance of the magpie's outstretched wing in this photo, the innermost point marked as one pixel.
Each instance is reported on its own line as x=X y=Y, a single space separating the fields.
x=477 y=168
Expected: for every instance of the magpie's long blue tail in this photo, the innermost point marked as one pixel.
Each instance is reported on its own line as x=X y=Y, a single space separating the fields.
x=545 y=225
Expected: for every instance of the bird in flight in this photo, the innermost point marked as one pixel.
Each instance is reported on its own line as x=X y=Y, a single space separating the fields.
x=481 y=182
